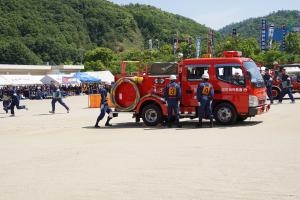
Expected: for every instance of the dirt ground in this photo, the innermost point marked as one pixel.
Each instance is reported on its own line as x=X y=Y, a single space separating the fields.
x=61 y=157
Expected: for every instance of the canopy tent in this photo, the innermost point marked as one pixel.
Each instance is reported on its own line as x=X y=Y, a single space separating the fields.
x=105 y=76
x=86 y=78
x=37 y=77
x=59 y=79
x=292 y=69
x=21 y=80
x=4 y=81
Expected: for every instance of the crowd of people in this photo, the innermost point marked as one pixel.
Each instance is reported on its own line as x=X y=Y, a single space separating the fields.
x=45 y=91
x=286 y=82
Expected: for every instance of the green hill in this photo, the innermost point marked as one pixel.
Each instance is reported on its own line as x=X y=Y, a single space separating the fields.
x=251 y=27
x=157 y=24
x=60 y=31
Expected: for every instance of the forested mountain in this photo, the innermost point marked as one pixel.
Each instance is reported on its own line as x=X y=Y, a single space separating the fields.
x=60 y=31
x=251 y=27
x=157 y=24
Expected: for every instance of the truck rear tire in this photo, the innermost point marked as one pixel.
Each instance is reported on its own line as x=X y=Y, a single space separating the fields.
x=225 y=114
x=151 y=115
x=276 y=92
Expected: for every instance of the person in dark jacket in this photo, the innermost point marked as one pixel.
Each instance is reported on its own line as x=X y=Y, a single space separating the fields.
x=286 y=86
x=172 y=96
x=205 y=95
x=15 y=102
x=104 y=105
x=6 y=101
x=268 y=82
x=57 y=97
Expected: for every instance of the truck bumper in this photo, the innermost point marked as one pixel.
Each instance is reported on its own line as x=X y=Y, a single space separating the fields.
x=259 y=110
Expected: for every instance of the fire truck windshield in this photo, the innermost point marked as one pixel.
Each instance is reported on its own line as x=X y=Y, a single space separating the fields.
x=255 y=76
x=163 y=69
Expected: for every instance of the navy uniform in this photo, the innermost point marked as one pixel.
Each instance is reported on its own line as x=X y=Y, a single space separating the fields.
x=57 y=97
x=15 y=102
x=6 y=101
x=104 y=107
x=205 y=94
x=286 y=87
x=268 y=82
x=172 y=96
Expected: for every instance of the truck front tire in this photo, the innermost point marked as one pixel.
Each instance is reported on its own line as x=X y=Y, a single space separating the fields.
x=152 y=115
x=225 y=114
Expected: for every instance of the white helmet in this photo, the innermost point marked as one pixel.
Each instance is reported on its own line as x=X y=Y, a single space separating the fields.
x=180 y=55
x=173 y=77
x=205 y=76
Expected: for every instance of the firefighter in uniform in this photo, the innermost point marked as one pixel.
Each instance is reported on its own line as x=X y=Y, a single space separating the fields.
x=286 y=86
x=268 y=82
x=57 y=97
x=6 y=101
x=205 y=94
x=104 y=105
x=15 y=102
x=172 y=96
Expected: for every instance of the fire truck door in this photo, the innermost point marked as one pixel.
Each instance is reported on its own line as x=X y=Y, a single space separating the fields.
x=192 y=76
x=231 y=85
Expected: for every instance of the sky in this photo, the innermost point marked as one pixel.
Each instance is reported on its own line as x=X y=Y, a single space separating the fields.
x=219 y=13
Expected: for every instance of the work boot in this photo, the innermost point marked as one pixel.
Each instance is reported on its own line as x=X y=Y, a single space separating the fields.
x=107 y=121
x=211 y=123
x=199 y=125
x=52 y=112
x=178 y=124
x=97 y=126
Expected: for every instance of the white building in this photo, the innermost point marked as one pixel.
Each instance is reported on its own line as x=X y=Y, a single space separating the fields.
x=6 y=69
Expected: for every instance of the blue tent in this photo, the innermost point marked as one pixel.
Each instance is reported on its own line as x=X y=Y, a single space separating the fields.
x=85 y=78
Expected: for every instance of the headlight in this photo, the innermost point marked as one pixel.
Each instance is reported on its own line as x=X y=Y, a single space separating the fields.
x=253 y=101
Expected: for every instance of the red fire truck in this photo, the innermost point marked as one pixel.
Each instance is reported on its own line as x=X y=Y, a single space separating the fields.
x=293 y=70
x=239 y=89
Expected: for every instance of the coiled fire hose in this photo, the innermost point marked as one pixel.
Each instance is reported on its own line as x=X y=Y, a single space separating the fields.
x=113 y=95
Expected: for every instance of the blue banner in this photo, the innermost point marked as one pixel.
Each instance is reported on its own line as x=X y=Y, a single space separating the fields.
x=263 y=34
x=198 y=46
x=283 y=28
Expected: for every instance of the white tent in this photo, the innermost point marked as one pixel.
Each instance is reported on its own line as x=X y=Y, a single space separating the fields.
x=37 y=77
x=105 y=76
x=21 y=80
x=4 y=81
x=59 y=79
x=292 y=69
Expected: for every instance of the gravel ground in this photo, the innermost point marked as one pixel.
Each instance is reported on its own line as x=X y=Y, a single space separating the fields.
x=62 y=157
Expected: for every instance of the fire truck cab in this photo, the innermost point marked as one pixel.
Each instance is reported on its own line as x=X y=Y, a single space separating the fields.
x=239 y=89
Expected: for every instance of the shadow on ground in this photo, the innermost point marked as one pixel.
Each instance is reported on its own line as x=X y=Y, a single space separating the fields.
x=46 y=114
x=185 y=125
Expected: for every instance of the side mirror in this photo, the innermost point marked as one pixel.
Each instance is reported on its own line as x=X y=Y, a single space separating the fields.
x=249 y=76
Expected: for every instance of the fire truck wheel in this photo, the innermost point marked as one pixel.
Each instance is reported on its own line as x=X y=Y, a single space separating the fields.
x=275 y=92
x=225 y=114
x=151 y=115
